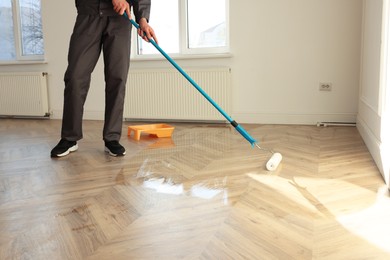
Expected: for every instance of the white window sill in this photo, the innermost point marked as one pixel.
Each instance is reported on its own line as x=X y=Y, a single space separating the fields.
x=157 y=57
x=22 y=62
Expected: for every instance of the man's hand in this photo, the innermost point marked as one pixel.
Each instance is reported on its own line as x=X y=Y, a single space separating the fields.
x=146 y=31
x=121 y=6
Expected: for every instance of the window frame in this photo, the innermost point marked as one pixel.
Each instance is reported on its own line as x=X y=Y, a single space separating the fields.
x=184 y=50
x=17 y=30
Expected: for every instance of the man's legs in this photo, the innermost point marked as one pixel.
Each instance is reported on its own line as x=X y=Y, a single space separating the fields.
x=116 y=50
x=84 y=51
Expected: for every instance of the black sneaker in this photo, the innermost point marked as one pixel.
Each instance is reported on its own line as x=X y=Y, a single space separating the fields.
x=64 y=147
x=114 y=148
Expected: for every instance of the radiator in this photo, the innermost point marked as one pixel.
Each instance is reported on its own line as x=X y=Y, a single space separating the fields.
x=23 y=94
x=164 y=94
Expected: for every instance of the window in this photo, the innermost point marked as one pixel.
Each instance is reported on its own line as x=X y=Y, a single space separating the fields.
x=21 y=30
x=188 y=27
x=206 y=26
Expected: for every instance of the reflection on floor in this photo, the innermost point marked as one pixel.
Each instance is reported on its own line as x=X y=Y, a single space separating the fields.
x=204 y=193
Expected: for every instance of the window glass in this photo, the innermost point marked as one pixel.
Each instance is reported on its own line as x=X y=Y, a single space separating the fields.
x=164 y=18
x=188 y=27
x=7 y=39
x=31 y=27
x=206 y=23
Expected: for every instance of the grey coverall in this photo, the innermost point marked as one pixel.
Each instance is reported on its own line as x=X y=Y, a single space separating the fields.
x=98 y=27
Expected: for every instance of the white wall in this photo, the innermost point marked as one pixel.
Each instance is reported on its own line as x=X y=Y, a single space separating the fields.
x=374 y=81
x=281 y=51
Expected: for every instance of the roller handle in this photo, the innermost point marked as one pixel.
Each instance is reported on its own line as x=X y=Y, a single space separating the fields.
x=239 y=129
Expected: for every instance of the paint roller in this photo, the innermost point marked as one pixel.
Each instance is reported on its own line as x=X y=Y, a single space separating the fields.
x=275 y=159
x=273 y=162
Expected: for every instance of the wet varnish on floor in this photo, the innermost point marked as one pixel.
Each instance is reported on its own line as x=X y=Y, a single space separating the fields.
x=202 y=194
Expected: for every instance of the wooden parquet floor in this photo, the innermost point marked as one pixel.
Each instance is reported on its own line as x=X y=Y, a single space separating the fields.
x=202 y=194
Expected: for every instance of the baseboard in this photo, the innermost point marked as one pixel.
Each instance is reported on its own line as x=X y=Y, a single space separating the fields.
x=374 y=146
x=294 y=119
x=254 y=118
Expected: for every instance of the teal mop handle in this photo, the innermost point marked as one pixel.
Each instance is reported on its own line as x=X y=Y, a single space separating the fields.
x=239 y=128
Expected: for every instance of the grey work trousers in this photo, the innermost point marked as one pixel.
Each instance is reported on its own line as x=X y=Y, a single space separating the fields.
x=91 y=34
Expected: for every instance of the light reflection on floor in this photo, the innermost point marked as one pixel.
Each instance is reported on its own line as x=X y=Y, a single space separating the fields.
x=368 y=216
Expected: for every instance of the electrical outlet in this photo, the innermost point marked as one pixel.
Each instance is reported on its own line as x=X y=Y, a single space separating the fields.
x=325 y=87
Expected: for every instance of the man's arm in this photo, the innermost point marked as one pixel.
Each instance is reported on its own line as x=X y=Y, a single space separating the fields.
x=142 y=12
x=141 y=9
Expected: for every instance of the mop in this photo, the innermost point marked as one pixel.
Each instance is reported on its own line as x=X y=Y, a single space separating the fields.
x=275 y=159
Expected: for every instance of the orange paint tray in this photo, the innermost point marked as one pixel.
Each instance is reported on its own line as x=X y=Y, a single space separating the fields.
x=159 y=130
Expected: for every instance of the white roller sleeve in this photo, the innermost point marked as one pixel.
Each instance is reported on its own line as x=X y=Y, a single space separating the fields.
x=274 y=162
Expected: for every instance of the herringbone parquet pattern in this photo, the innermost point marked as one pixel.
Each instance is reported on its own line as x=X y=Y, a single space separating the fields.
x=202 y=194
